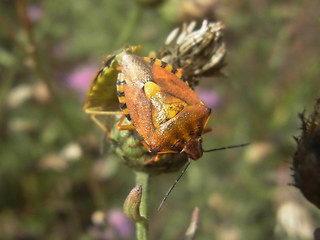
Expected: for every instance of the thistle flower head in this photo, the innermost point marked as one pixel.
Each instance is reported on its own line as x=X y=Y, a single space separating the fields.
x=199 y=52
x=306 y=160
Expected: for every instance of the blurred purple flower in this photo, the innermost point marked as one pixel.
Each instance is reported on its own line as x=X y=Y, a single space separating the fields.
x=120 y=223
x=81 y=77
x=210 y=98
x=34 y=12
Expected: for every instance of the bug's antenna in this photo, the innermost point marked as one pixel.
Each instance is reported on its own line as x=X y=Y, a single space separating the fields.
x=227 y=147
x=188 y=164
x=174 y=184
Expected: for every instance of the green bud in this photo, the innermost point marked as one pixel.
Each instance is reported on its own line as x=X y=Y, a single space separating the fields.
x=131 y=206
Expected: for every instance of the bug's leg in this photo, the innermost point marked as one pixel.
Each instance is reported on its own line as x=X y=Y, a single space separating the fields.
x=137 y=144
x=153 y=159
x=124 y=127
x=146 y=145
x=93 y=114
x=142 y=142
x=157 y=157
x=101 y=125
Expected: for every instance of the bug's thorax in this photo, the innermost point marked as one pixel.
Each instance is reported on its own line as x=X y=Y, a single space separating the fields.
x=135 y=68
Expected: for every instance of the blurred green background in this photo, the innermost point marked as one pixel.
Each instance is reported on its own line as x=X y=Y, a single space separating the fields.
x=56 y=184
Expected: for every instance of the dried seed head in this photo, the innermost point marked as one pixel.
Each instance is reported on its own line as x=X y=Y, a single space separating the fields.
x=306 y=160
x=199 y=52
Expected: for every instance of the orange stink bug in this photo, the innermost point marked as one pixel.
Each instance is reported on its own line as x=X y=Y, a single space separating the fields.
x=155 y=98
x=101 y=100
x=161 y=106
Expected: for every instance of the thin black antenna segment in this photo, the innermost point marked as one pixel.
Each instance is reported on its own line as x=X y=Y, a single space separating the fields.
x=188 y=164
x=227 y=147
x=174 y=184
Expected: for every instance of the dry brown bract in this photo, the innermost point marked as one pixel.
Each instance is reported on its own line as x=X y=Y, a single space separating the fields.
x=306 y=160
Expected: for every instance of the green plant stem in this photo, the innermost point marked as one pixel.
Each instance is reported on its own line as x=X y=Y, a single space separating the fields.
x=142 y=227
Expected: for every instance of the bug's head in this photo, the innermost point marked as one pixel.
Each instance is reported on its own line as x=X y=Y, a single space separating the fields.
x=194 y=148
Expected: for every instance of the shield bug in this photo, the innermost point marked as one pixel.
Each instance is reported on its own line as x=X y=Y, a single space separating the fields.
x=101 y=100
x=161 y=106
x=155 y=98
